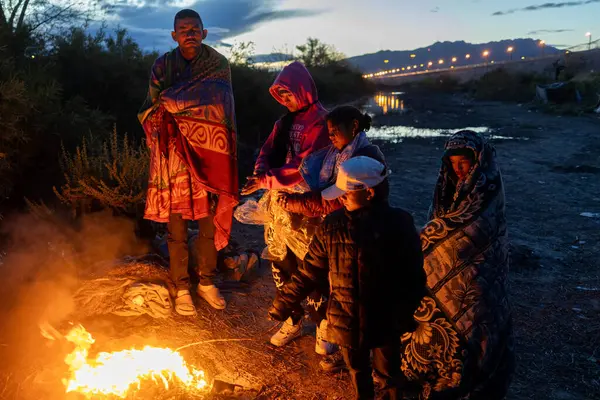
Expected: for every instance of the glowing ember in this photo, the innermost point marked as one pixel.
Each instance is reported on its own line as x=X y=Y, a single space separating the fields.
x=115 y=373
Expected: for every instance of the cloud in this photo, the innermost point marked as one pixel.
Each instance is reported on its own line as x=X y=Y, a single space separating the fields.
x=434 y=10
x=549 y=31
x=546 y=6
x=151 y=22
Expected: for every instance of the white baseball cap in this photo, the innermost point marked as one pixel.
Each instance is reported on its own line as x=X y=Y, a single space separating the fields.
x=357 y=173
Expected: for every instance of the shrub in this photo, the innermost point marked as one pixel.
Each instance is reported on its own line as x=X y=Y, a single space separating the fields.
x=114 y=178
x=501 y=85
x=79 y=85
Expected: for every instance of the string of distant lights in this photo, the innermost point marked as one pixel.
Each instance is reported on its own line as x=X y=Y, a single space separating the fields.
x=424 y=67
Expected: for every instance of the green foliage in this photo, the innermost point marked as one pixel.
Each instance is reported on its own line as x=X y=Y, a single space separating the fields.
x=444 y=83
x=315 y=53
x=501 y=85
x=109 y=72
x=77 y=85
x=115 y=177
x=241 y=53
x=338 y=83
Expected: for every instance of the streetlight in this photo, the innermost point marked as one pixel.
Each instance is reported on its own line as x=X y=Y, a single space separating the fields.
x=468 y=56
x=485 y=55
x=440 y=61
x=429 y=64
x=589 y=36
x=413 y=55
x=453 y=59
x=542 y=45
x=386 y=61
x=510 y=51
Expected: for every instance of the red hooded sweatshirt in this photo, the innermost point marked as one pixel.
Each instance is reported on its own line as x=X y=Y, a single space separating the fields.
x=307 y=134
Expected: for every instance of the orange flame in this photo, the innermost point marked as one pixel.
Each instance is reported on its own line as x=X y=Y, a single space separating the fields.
x=117 y=372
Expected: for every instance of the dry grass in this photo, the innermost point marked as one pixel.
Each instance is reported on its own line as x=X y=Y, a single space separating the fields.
x=556 y=324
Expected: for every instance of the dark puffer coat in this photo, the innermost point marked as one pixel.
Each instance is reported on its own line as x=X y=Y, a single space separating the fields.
x=374 y=263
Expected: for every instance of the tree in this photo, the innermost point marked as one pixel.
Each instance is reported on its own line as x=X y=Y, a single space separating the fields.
x=28 y=16
x=241 y=53
x=314 y=53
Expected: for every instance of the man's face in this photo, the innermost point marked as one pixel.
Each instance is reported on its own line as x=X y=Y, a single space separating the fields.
x=357 y=199
x=189 y=33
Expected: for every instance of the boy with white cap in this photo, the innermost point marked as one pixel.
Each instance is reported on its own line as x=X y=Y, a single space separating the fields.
x=371 y=254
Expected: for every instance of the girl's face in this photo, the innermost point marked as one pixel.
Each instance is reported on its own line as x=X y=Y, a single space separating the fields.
x=341 y=135
x=461 y=165
x=288 y=99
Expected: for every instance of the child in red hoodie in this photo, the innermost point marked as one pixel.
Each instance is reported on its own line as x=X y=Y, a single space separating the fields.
x=297 y=134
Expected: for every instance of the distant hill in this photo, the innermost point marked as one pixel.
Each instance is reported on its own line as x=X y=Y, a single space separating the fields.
x=270 y=58
x=447 y=50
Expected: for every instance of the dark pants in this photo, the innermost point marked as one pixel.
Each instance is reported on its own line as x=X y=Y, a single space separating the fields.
x=317 y=300
x=177 y=242
x=386 y=367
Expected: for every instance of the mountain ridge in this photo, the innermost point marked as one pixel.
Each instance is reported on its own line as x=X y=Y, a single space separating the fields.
x=498 y=51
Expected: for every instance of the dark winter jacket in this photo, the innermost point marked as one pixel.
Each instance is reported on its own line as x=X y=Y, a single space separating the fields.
x=374 y=263
x=311 y=204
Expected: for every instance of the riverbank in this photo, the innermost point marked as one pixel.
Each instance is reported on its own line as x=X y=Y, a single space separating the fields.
x=551 y=169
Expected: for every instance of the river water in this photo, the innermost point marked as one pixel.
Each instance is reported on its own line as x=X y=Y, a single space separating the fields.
x=389 y=103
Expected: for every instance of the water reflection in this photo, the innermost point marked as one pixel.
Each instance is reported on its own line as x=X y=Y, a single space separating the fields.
x=396 y=134
x=390 y=102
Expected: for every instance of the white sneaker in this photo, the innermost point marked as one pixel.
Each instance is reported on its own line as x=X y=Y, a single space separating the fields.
x=287 y=333
x=322 y=346
x=212 y=295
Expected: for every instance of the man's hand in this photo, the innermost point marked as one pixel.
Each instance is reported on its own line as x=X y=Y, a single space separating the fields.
x=252 y=185
x=169 y=105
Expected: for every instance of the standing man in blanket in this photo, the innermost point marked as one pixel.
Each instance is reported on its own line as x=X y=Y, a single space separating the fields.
x=189 y=121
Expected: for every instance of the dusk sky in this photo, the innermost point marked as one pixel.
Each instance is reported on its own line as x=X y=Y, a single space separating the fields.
x=364 y=26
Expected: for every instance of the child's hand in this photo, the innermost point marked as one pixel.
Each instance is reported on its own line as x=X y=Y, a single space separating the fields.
x=251 y=186
x=282 y=200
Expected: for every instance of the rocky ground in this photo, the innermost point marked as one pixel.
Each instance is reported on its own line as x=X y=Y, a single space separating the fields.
x=552 y=176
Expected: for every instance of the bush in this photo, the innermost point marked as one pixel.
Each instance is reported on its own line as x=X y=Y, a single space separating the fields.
x=34 y=120
x=114 y=178
x=338 y=83
x=444 y=83
x=80 y=85
x=501 y=85
x=108 y=72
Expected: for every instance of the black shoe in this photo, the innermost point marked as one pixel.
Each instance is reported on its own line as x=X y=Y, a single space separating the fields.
x=333 y=363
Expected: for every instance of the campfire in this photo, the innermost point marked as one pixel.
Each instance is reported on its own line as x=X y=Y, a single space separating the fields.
x=119 y=372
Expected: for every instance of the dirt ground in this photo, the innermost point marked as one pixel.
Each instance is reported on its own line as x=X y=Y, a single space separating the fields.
x=552 y=175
